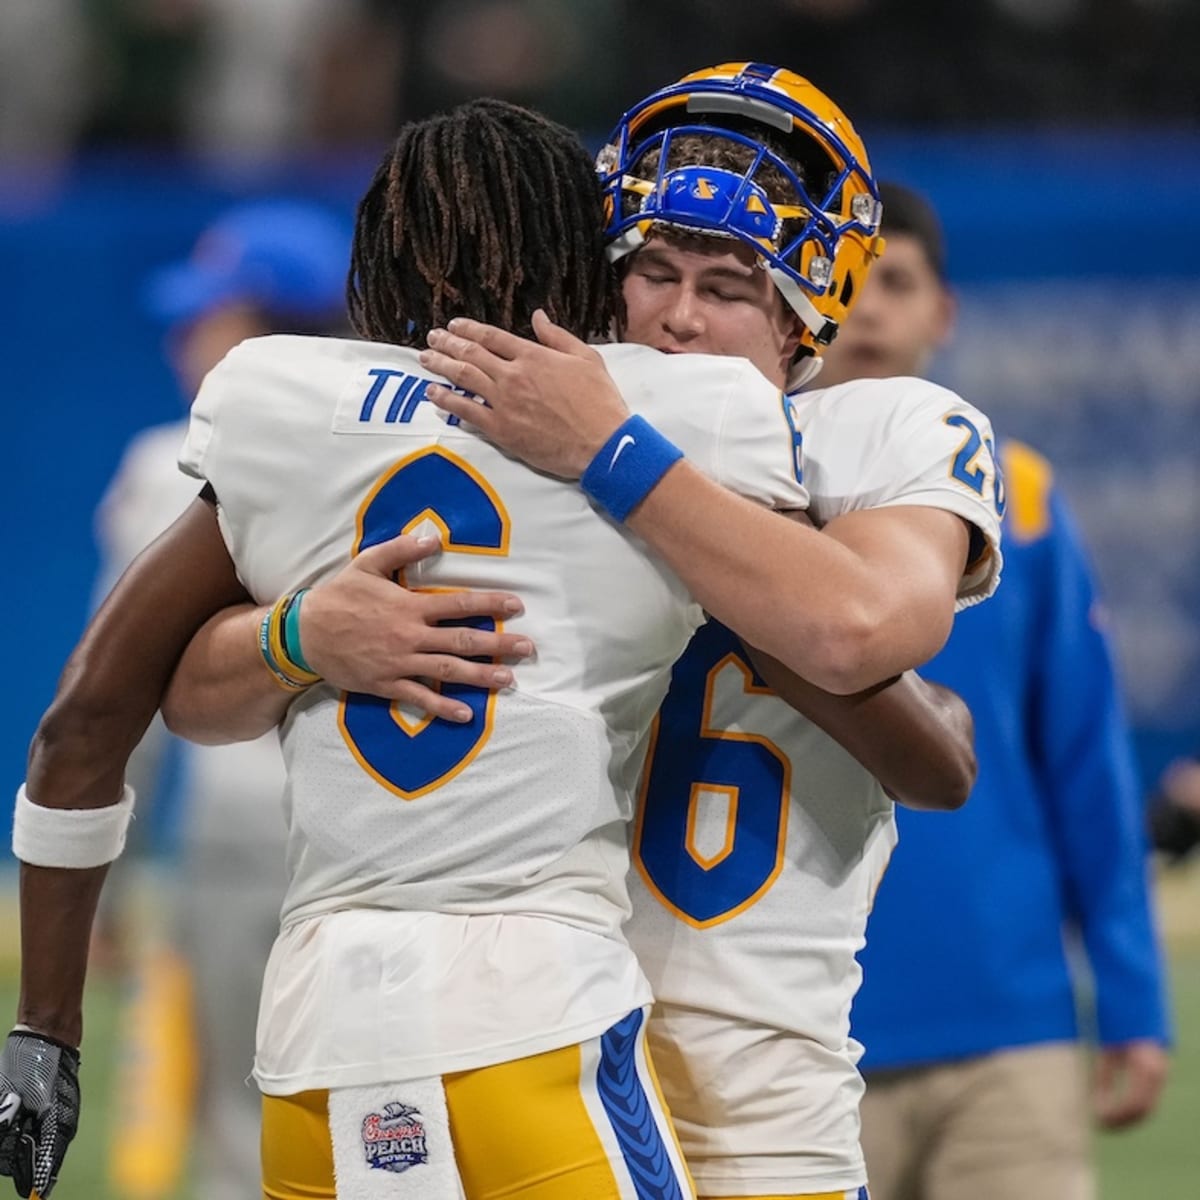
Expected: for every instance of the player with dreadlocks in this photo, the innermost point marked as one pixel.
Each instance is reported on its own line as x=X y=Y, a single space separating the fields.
x=450 y=995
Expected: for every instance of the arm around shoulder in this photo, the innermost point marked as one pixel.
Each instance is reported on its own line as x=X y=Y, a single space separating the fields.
x=867 y=598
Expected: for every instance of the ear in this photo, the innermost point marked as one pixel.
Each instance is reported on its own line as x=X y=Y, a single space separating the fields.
x=946 y=317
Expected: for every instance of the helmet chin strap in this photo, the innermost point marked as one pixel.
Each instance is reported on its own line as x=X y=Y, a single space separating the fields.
x=627 y=243
x=821 y=327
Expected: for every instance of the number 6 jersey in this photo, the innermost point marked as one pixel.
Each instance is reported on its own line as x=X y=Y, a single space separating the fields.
x=759 y=841
x=456 y=891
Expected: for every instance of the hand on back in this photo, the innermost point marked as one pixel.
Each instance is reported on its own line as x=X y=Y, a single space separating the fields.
x=552 y=405
x=364 y=632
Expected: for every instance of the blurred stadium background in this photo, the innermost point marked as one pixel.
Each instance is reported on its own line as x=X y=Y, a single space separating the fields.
x=1060 y=139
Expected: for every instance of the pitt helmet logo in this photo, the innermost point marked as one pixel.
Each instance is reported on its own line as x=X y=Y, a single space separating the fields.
x=703 y=189
x=394 y=1139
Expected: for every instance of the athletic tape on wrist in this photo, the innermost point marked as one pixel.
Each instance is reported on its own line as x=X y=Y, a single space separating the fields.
x=70 y=837
x=628 y=466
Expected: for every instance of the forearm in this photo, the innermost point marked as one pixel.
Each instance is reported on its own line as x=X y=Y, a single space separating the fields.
x=106 y=697
x=116 y=676
x=916 y=738
x=817 y=605
x=57 y=909
x=222 y=690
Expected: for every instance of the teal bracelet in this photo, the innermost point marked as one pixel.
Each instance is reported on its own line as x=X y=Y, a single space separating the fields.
x=291 y=631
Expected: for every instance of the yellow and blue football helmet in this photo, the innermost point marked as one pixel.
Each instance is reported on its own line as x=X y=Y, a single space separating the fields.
x=817 y=249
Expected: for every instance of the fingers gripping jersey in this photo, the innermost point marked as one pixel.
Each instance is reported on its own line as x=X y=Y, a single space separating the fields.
x=318 y=448
x=759 y=842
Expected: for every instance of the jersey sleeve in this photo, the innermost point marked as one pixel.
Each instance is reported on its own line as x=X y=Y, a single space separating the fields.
x=238 y=409
x=194 y=456
x=910 y=442
x=224 y=436
x=759 y=449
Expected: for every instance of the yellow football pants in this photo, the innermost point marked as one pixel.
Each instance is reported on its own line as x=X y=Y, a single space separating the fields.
x=585 y=1122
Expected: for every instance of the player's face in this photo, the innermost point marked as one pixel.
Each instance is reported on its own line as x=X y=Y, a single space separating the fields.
x=704 y=296
x=903 y=314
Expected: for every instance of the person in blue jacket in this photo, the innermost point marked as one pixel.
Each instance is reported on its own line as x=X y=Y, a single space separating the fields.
x=991 y=918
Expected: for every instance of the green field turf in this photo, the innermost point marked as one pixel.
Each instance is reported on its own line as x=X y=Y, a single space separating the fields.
x=1158 y=1161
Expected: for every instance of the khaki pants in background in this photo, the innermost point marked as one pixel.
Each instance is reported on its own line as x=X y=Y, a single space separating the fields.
x=1012 y=1125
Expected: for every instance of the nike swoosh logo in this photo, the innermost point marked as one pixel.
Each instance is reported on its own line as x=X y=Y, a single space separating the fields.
x=626 y=440
x=10 y=1106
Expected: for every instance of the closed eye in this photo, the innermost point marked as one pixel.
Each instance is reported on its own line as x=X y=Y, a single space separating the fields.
x=727 y=295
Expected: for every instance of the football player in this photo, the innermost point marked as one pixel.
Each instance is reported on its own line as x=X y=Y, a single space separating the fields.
x=452 y=929
x=621 y=444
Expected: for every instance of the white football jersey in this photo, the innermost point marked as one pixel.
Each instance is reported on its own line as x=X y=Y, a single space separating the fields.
x=317 y=448
x=760 y=842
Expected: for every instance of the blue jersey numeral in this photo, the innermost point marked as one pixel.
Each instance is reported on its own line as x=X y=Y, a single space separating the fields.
x=689 y=757
x=412 y=758
x=967 y=468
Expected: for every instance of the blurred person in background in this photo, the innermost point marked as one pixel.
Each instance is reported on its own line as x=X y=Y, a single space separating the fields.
x=976 y=1083
x=281 y=75
x=268 y=266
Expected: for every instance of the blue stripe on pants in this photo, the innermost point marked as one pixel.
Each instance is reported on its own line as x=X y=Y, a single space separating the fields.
x=631 y=1114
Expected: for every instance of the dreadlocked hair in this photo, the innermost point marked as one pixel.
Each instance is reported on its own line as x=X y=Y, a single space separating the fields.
x=490 y=211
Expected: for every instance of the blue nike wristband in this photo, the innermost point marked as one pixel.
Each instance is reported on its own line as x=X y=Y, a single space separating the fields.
x=628 y=466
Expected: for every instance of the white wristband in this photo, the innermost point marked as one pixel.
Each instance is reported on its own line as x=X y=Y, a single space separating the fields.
x=70 y=837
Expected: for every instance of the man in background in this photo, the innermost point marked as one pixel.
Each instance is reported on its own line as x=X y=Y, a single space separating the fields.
x=976 y=1084
x=263 y=267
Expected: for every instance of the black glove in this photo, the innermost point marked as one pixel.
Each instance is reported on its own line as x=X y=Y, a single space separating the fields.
x=39 y=1109
x=1174 y=829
